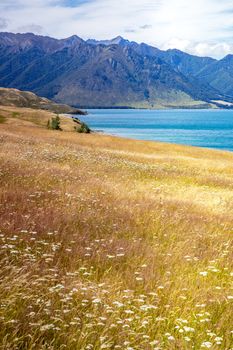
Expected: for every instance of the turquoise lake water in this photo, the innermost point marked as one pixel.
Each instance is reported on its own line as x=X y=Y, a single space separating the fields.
x=203 y=128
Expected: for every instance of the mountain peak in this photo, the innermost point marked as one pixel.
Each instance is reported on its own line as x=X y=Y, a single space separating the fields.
x=228 y=58
x=175 y=51
x=73 y=40
x=119 y=40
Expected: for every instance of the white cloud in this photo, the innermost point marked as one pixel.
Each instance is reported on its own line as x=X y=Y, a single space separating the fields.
x=202 y=27
x=216 y=50
x=200 y=48
x=3 y=23
x=31 y=28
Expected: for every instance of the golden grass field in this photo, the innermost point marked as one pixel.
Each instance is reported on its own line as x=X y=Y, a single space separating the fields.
x=109 y=243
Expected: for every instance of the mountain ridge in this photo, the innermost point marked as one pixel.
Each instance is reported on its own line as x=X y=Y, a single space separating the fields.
x=106 y=73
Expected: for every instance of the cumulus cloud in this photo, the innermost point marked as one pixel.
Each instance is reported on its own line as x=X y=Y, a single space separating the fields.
x=215 y=50
x=130 y=30
x=3 y=23
x=200 y=48
x=200 y=26
x=31 y=28
x=146 y=26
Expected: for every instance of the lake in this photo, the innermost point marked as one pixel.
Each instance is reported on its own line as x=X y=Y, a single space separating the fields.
x=203 y=128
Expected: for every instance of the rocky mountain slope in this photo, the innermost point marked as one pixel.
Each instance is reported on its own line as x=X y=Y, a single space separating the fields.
x=219 y=74
x=187 y=64
x=105 y=74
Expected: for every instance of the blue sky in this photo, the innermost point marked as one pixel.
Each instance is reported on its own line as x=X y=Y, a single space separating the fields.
x=202 y=27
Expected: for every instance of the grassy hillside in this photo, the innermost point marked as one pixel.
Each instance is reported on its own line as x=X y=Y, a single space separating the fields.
x=109 y=243
x=26 y=99
x=30 y=117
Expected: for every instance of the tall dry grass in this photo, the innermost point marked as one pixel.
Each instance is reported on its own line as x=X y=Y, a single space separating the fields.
x=113 y=244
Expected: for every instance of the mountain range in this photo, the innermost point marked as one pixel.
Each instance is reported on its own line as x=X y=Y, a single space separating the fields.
x=113 y=73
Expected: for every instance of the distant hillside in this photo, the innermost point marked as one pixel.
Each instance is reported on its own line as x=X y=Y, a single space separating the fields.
x=17 y=98
x=106 y=73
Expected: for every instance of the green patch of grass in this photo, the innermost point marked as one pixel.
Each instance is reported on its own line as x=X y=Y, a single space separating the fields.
x=15 y=114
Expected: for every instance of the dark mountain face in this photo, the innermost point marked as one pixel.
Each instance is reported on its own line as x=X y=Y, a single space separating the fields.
x=185 y=63
x=219 y=75
x=180 y=61
x=106 y=73
x=119 y=75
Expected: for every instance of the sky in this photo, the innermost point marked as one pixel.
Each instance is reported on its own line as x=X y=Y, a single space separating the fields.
x=200 y=27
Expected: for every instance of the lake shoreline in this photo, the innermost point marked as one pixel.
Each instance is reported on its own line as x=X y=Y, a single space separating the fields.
x=212 y=129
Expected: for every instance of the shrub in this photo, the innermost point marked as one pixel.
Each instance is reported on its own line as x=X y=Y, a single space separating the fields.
x=54 y=123
x=83 y=128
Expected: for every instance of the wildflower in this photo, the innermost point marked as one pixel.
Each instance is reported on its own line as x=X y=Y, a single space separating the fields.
x=201 y=305
x=129 y=312
x=206 y=344
x=148 y=307
x=203 y=273
x=171 y=338
x=96 y=301
x=154 y=342
x=105 y=346
x=139 y=279
x=113 y=325
x=160 y=287
x=46 y=327
x=211 y=334
x=160 y=319
x=218 y=340
x=118 y=304
x=187 y=339
x=189 y=329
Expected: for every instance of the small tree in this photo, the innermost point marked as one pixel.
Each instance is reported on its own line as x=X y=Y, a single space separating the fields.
x=54 y=123
x=82 y=128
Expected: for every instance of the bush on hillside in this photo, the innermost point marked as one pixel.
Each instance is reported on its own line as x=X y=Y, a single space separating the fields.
x=54 y=123
x=82 y=127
